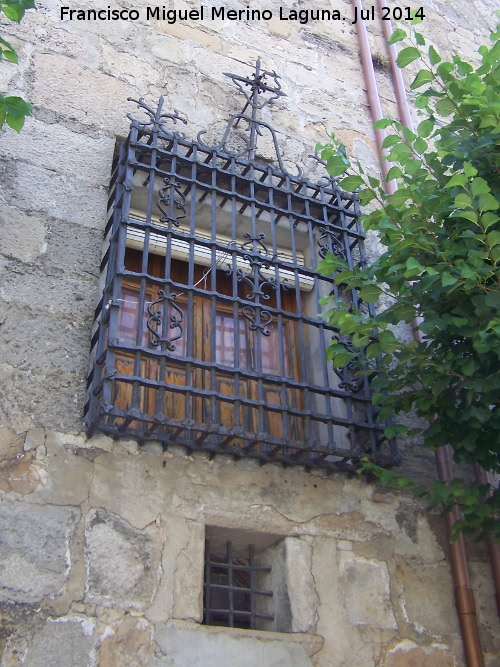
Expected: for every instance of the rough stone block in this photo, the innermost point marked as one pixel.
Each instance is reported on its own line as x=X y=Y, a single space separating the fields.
x=130 y=645
x=59 y=406
x=300 y=585
x=122 y=563
x=69 y=296
x=484 y=594
x=204 y=648
x=62 y=642
x=130 y=68
x=135 y=487
x=428 y=597
x=167 y=48
x=365 y=591
x=294 y=602
x=34 y=550
x=420 y=543
x=11 y=445
x=21 y=234
x=408 y=654
x=72 y=248
x=188 y=575
x=59 y=149
x=60 y=196
x=181 y=553
x=185 y=32
x=81 y=94
x=69 y=476
x=34 y=438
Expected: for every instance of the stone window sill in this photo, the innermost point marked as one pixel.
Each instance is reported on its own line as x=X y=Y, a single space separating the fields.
x=309 y=642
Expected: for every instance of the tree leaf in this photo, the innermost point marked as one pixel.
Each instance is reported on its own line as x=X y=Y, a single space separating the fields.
x=423 y=77
x=383 y=123
x=447 y=279
x=420 y=145
x=434 y=56
x=394 y=172
x=407 y=56
x=16 y=106
x=479 y=186
x=457 y=179
x=341 y=359
x=397 y=36
x=445 y=107
x=493 y=238
x=426 y=128
x=391 y=140
x=419 y=38
x=15 y=122
x=350 y=183
x=370 y=293
x=336 y=165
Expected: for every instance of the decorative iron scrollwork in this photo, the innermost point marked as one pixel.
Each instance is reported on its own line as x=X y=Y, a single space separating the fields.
x=259 y=319
x=329 y=242
x=258 y=240
x=255 y=279
x=257 y=86
x=156 y=117
x=348 y=380
x=156 y=319
x=171 y=198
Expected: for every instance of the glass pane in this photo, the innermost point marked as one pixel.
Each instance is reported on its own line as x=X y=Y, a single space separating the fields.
x=224 y=343
x=270 y=355
x=127 y=320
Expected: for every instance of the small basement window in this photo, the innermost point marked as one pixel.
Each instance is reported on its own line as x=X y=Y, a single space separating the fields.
x=232 y=593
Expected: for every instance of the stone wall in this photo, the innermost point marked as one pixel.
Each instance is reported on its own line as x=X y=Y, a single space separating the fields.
x=102 y=543
x=102 y=550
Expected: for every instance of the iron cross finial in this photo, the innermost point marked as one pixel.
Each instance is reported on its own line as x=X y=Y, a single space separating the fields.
x=257 y=85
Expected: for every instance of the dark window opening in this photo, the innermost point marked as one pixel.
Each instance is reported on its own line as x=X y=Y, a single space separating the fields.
x=231 y=596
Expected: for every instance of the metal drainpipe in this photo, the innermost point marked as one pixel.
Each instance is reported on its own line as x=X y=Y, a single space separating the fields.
x=372 y=91
x=463 y=591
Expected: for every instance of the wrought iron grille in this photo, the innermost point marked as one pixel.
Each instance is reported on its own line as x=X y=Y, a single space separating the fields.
x=231 y=596
x=209 y=332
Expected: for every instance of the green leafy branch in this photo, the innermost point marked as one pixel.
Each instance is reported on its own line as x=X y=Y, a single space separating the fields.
x=441 y=267
x=13 y=109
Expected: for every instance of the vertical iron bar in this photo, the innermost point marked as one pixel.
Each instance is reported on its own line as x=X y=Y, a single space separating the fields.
x=354 y=297
x=111 y=290
x=279 y=307
x=251 y=563
x=213 y=288
x=208 y=583
x=191 y=338
x=298 y=298
x=238 y=411
x=230 y=583
x=257 y=301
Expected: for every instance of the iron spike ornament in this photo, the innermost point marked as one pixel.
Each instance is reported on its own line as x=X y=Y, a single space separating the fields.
x=156 y=118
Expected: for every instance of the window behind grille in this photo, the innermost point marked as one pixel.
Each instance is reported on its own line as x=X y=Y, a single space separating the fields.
x=226 y=249
x=231 y=593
